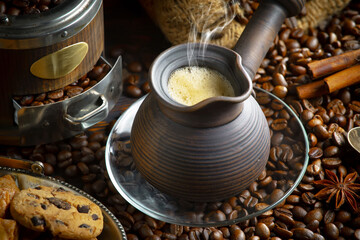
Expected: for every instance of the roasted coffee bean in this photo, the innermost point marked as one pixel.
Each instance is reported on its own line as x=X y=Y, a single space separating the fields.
x=312 y=140
x=329 y=216
x=312 y=43
x=279 y=124
x=55 y=94
x=282 y=231
x=303 y=234
x=315 y=152
x=331 y=151
x=306 y=115
x=313 y=169
x=315 y=121
x=280 y=91
x=72 y=91
x=331 y=231
x=321 y=132
x=132 y=80
x=315 y=214
x=299 y=212
x=71 y=171
x=26 y=100
x=63 y=155
x=313 y=225
x=331 y=163
x=250 y=202
x=308 y=198
x=276 y=195
x=343 y=216
x=48 y=169
x=262 y=231
x=135 y=67
x=145 y=87
x=133 y=91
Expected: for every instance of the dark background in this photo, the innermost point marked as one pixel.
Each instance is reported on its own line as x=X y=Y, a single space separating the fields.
x=130 y=32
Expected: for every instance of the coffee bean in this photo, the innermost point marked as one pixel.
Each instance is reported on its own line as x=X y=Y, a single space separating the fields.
x=331 y=231
x=276 y=195
x=331 y=163
x=312 y=43
x=27 y=100
x=262 y=231
x=250 y=202
x=279 y=124
x=313 y=225
x=72 y=91
x=145 y=87
x=299 y=212
x=297 y=69
x=281 y=231
x=343 y=216
x=306 y=115
x=347 y=232
x=280 y=91
x=312 y=140
x=134 y=67
x=133 y=91
x=315 y=214
x=48 y=169
x=321 y=132
x=308 y=198
x=315 y=121
x=315 y=152
x=71 y=171
x=302 y=234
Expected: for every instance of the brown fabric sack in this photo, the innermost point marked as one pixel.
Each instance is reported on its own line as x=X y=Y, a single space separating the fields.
x=188 y=20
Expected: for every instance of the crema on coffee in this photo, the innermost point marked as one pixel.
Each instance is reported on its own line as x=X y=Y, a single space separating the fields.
x=190 y=85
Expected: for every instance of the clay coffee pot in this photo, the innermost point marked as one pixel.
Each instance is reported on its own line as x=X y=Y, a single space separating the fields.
x=216 y=148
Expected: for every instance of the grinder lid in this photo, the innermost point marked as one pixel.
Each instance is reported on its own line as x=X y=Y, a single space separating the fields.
x=47 y=28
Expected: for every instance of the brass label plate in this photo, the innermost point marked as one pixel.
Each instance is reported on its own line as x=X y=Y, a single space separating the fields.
x=61 y=62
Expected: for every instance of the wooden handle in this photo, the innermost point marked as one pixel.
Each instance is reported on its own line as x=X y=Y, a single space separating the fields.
x=261 y=30
x=36 y=167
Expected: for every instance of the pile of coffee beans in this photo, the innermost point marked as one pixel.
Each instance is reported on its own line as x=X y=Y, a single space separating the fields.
x=25 y=7
x=79 y=86
x=327 y=119
x=134 y=86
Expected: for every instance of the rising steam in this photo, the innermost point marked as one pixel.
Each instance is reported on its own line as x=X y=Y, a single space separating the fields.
x=202 y=30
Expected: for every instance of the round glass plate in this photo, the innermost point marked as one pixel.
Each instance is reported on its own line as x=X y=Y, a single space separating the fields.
x=284 y=170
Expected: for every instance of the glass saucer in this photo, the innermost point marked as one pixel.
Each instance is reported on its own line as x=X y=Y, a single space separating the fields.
x=284 y=170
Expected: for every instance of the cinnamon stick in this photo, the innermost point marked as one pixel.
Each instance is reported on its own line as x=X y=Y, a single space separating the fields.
x=333 y=64
x=330 y=84
x=311 y=90
x=343 y=79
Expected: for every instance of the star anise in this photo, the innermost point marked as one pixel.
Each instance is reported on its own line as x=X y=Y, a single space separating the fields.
x=342 y=188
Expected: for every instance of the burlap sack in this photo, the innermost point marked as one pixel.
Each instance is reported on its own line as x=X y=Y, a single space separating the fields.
x=188 y=20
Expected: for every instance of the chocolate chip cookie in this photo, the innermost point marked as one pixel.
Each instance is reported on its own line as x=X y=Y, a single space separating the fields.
x=63 y=213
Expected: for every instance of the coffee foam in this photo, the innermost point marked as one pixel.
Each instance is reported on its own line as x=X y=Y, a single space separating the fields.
x=190 y=85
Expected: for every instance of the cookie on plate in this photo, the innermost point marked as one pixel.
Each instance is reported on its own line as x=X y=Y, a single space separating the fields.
x=9 y=229
x=8 y=188
x=7 y=182
x=63 y=213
